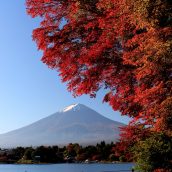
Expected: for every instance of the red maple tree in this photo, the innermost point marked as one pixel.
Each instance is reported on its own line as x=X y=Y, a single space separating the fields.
x=108 y=44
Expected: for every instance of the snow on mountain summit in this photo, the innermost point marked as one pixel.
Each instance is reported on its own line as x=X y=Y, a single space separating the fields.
x=71 y=107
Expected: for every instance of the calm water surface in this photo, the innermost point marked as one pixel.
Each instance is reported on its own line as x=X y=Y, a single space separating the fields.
x=126 y=167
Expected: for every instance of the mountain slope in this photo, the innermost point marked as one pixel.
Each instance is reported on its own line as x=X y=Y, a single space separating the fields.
x=76 y=123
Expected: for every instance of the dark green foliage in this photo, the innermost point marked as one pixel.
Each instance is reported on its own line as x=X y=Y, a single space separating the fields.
x=28 y=153
x=69 y=153
x=46 y=154
x=122 y=158
x=112 y=157
x=154 y=153
x=18 y=153
x=104 y=149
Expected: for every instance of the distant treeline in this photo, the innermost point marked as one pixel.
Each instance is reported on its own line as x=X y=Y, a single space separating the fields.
x=102 y=152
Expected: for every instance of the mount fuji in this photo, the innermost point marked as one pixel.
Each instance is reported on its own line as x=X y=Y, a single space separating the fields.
x=76 y=123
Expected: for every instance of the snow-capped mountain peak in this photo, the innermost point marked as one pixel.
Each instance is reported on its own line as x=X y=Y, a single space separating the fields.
x=76 y=124
x=71 y=107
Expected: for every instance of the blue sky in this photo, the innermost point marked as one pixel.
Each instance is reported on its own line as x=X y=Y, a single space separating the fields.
x=28 y=89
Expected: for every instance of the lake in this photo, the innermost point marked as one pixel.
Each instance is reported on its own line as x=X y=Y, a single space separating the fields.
x=125 y=167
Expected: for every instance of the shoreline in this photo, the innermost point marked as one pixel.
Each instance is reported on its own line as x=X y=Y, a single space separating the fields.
x=67 y=163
